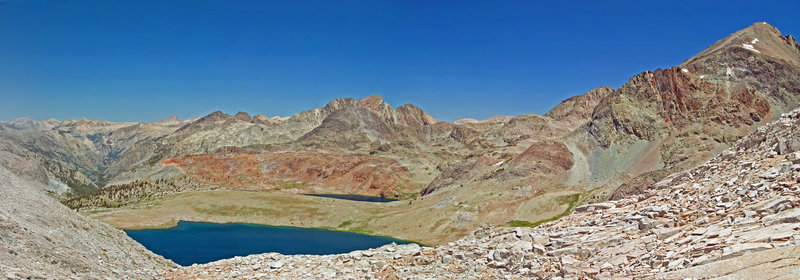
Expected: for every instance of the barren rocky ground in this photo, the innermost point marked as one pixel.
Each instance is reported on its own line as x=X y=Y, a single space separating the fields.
x=42 y=239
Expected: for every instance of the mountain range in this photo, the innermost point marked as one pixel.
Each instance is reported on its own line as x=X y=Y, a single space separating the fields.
x=450 y=178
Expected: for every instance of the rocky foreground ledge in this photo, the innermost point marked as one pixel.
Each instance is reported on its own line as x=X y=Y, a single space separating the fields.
x=735 y=217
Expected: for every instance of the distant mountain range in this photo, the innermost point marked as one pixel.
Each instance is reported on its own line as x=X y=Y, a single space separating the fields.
x=452 y=177
x=659 y=122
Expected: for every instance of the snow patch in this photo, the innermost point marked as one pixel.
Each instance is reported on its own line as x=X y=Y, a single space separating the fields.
x=755 y=40
x=499 y=163
x=750 y=47
x=702 y=76
x=685 y=70
x=729 y=71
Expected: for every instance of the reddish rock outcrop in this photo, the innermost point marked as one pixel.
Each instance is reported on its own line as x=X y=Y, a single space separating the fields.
x=303 y=171
x=540 y=158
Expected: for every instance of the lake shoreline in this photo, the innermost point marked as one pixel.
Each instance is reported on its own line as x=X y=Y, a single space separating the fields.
x=174 y=224
x=203 y=242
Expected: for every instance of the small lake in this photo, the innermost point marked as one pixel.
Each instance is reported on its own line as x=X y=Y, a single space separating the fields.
x=194 y=242
x=356 y=197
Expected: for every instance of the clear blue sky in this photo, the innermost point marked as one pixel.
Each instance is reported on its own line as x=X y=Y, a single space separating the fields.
x=146 y=60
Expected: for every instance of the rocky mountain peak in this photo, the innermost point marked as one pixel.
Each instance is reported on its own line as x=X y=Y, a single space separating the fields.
x=372 y=102
x=759 y=38
x=243 y=116
x=216 y=115
x=338 y=104
x=412 y=115
x=375 y=104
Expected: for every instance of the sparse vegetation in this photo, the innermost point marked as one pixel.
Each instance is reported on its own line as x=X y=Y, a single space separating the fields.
x=290 y=184
x=520 y=223
x=345 y=224
x=570 y=200
x=136 y=192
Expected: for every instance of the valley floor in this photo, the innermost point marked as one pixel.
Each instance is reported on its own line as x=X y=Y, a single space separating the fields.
x=427 y=221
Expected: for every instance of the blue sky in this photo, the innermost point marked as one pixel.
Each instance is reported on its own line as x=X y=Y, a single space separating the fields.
x=146 y=60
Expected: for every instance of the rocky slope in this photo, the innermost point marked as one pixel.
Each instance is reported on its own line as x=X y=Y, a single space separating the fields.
x=662 y=121
x=42 y=239
x=735 y=217
x=75 y=153
x=692 y=111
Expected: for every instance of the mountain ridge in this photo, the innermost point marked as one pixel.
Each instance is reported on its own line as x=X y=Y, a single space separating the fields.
x=610 y=142
x=684 y=170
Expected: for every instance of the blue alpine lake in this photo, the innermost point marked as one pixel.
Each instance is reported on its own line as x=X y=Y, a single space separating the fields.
x=355 y=197
x=194 y=242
